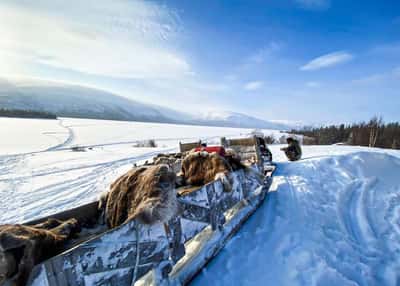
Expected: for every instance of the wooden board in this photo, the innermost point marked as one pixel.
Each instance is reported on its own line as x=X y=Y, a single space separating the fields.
x=85 y=214
x=185 y=147
x=108 y=257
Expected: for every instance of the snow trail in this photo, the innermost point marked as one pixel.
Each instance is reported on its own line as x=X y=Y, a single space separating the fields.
x=326 y=221
x=67 y=140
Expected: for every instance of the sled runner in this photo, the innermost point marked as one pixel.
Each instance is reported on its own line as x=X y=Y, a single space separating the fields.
x=170 y=253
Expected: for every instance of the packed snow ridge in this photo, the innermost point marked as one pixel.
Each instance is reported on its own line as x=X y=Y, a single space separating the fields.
x=329 y=220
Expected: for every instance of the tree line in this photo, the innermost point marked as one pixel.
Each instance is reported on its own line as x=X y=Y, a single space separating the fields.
x=19 y=113
x=373 y=133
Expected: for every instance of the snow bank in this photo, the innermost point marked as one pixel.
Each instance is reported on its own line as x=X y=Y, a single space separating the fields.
x=327 y=221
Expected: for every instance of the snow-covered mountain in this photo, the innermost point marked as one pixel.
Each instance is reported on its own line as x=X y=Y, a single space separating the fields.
x=228 y=118
x=83 y=102
x=78 y=101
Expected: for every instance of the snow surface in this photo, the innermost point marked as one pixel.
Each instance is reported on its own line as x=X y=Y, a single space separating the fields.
x=332 y=218
x=40 y=175
x=93 y=132
x=27 y=135
x=328 y=220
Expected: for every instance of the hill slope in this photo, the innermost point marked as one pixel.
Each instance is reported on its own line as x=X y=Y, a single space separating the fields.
x=84 y=102
x=76 y=101
x=228 y=118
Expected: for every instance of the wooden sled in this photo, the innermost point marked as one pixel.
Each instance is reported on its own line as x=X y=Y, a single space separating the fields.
x=163 y=254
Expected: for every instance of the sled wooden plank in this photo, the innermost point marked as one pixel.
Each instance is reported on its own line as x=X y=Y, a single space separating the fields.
x=204 y=204
x=59 y=275
x=236 y=194
x=195 y=212
x=251 y=141
x=111 y=252
x=185 y=147
x=173 y=230
x=187 y=190
x=87 y=213
x=215 y=193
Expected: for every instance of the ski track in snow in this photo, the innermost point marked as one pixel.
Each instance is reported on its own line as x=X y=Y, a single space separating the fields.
x=69 y=138
x=34 y=194
x=326 y=221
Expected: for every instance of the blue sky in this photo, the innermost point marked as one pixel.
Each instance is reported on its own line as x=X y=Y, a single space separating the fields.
x=315 y=61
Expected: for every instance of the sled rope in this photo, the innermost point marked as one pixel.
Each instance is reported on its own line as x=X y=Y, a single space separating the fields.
x=135 y=270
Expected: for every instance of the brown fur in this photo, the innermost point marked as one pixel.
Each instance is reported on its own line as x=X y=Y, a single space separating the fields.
x=48 y=224
x=200 y=168
x=22 y=247
x=165 y=160
x=234 y=160
x=146 y=193
x=172 y=160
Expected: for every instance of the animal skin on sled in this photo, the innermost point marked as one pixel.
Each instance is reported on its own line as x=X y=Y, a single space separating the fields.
x=22 y=247
x=234 y=159
x=146 y=193
x=172 y=160
x=199 y=168
x=168 y=158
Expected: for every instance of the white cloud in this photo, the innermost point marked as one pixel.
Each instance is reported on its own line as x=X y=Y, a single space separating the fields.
x=313 y=84
x=396 y=72
x=127 y=47
x=371 y=79
x=314 y=4
x=328 y=60
x=253 y=85
x=387 y=49
x=112 y=38
x=391 y=76
x=261 y=55
x=231 y=77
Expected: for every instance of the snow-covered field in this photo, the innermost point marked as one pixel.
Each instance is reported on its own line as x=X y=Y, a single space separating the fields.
x=28 y=135
x=332 y=218
x=40 y=175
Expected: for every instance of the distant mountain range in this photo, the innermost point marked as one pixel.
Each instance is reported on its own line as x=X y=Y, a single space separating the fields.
x=235 y=119
x=84 y=102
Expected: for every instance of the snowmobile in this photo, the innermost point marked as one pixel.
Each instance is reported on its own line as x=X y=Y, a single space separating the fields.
x=162 y=254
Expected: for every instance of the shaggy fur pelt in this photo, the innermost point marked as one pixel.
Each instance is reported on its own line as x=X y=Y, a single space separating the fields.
x=170 y=156
x=164 y=160
x=234 y=160
x=146 y=193
x=22 y=247
x=199 y=168
x=172 y=160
